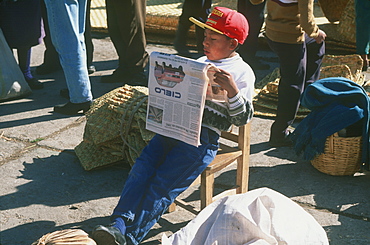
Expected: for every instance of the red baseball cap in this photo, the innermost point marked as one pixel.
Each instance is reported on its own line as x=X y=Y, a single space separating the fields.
x=227 y=22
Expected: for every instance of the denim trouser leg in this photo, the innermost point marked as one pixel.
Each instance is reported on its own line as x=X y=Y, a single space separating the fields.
x=165 y=168
x=66 y=23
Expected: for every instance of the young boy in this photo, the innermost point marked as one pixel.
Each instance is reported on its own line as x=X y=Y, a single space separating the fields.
x=167 y=167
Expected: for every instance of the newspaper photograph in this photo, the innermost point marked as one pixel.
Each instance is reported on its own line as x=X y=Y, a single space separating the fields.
x=177 y=92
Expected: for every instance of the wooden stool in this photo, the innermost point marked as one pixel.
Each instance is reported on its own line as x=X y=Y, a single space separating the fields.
x=225 y=156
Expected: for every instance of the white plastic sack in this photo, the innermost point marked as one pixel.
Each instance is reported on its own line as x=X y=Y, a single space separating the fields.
x=12 y=82
x=259 y=217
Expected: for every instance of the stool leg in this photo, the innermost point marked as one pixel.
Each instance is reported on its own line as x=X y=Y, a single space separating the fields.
x=242 y=173
x=206 y=189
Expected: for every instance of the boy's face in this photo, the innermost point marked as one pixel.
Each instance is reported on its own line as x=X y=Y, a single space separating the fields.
x=218 y=46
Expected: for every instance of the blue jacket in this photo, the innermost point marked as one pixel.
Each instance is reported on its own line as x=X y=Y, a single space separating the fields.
x=335 y=103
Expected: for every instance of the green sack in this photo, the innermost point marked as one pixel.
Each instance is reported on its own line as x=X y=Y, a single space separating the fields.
x=12 y=82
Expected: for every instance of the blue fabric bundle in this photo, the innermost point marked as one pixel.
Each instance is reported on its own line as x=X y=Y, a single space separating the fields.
x=335 y=103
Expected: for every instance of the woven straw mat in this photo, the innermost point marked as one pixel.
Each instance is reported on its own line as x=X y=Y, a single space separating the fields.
x=64 y=237
x=115 y=128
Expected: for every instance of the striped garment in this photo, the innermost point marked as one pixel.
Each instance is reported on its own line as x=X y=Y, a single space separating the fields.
x=219 y=116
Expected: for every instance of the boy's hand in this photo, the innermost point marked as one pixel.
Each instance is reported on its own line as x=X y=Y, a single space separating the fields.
x=226 y=81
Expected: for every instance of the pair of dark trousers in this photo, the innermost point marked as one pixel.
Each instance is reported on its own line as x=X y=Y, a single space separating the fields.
x=51 y=56
x=255 y=16
x=299 y=66
x=126 y=26
x=199 y=9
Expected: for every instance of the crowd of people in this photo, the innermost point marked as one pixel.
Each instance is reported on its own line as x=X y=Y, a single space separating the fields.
x=226 y=38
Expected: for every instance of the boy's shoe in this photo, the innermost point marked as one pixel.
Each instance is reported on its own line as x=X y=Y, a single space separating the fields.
x=108 y=235
x=72 y=108
x=34 y=83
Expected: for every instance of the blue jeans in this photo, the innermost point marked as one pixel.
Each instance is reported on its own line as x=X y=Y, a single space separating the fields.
x=67 y=25
x=165 y=168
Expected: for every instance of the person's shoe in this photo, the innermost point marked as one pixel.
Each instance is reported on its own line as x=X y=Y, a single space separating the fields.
x=183 y=52
x=91 y=69
x=72 y=108
x=64 y=93
x=181 y=48
x=35 y=84
x=138 y=79
x=108 y=235
x=115 y=77
x=280 y=141
x=44 y=68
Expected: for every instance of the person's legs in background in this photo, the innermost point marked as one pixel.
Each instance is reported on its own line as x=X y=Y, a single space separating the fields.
x=51 y=58
x=198 y=9
x=362 y=8
x=255 y=17
x=67 y=23
x=88 y=40
x=126 y=26
x=24 y=61
x=21 y=25
x=292 y=59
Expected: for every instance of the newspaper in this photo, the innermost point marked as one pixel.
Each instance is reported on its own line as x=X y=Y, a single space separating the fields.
x=178 y=88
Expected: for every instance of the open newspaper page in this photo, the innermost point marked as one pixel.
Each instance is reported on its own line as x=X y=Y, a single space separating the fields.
x=177 y=92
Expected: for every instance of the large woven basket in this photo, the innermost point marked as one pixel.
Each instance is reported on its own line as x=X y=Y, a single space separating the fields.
x=333 y=9
x=342 y=156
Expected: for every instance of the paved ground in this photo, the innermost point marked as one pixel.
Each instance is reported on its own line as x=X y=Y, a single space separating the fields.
x=44 y=188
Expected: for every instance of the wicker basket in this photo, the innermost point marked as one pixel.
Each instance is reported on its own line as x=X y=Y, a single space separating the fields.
x=342 y=156
x=333 y=9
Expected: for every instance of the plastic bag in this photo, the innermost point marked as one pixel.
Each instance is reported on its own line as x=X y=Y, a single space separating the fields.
x=12 y=82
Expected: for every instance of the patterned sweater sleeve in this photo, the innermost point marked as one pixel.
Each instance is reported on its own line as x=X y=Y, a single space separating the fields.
x=240 y=110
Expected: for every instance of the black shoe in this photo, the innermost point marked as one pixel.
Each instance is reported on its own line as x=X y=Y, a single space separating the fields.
x=280 y=141
x=35 y=84
x=115 y=77
x=44 y=68
x=64 y=93
x=181 y=48
x=72 y=108
x=108 y=236
x=138 y=79
x=91 y=69
x=184 y=52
